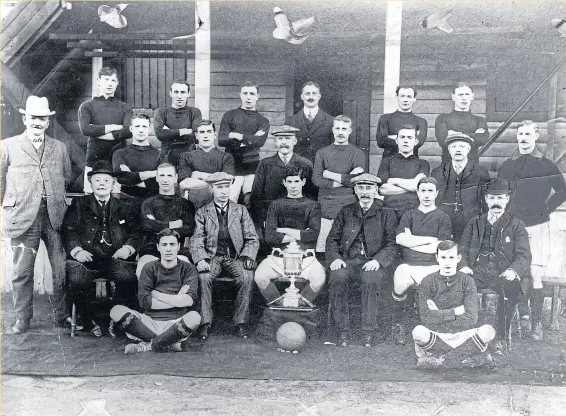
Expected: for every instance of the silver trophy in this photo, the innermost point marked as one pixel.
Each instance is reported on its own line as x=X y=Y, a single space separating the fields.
x=293 y=257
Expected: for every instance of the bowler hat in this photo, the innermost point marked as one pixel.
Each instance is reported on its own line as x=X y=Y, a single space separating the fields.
x=102 y=166
x=219 y=178
x=497 y=186
x=37 y=106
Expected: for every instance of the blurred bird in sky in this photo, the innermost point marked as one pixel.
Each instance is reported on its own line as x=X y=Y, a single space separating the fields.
x=560 y=25
x=292 y=32
x=438 y=20
x=112 y=15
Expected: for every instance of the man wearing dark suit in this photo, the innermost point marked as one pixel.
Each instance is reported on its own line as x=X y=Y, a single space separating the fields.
x=361 y=245
x=224 y=240
x=101 y=236
x=34 y=172
x=496 y=253
x=314 y=124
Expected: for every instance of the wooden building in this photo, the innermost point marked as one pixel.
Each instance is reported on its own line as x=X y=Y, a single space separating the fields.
x=357 y=51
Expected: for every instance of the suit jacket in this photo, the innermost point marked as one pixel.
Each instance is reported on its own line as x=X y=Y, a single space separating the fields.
x=268 y=186
x=379 y=231
x=511 y=247
x=84 y=219
x=204 y=242
x=23 y=176
x=312 y=138
x=474 y=177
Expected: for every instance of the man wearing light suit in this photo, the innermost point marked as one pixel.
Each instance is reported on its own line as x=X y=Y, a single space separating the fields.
x=34 y=172
x=224 y=240
x=314 y=124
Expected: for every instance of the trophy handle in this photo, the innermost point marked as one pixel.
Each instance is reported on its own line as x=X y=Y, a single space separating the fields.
x=276 y=250
x=309 y=250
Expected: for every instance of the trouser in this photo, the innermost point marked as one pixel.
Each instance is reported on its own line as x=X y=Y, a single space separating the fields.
x=244 y=280
x=241 y=183
x=339 y=281
x=487 y=276
x=24 y=250
x=162 y=334
x=406 y=276
x=82 y=287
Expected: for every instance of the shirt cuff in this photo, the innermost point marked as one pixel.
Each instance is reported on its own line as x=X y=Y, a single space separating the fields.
x=515 y=273
x=132 y=250
x=75 y=251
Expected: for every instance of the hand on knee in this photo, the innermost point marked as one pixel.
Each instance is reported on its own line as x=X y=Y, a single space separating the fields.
x=421 y=334
x=192 y=320
x=118 y=312
x=486 y=333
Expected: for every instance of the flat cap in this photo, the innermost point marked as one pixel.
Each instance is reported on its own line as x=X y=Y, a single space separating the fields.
x=454 y=137
x=366 y=178
x=220 y=177
x=285 y=131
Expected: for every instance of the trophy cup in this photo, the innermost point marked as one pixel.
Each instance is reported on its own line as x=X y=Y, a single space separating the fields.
x=293 y=257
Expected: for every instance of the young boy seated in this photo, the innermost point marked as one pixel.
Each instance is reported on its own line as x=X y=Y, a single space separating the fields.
x=448 y=306
x=166 y=289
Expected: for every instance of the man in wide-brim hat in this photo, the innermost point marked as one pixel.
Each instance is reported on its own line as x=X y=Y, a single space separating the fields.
x=35 y=170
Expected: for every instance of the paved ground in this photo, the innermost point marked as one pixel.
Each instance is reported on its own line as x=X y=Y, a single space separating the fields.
x=160 y=395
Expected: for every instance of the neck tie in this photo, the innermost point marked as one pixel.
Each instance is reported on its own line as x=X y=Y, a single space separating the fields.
x=458 y=169
x=492 y=218
x=285 y=159
x=310 y=117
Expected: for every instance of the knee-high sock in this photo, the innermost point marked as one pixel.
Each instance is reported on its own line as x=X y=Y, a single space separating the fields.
x=472 y=346
x=176 y=332
x=537 y=300
x=133 y=325
x=270 y=293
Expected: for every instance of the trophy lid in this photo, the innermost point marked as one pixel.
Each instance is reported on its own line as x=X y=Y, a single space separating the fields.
x=293 y=248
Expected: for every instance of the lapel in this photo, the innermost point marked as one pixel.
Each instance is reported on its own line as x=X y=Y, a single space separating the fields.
x=300 y=120
x=318 y=121
x=28 y=148
x=49 y=147
x=211 y=213
x=232 y=213
x=279 y=162
x=468 y=170
x=481 y=227
x=93 y=204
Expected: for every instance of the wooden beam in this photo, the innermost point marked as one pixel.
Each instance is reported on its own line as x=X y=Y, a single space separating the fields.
x=202 y=58
x=392 y=67
x=69 y=37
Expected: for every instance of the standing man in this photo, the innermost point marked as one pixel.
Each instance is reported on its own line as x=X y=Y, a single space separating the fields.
x=334 y=167
x=361 y=245
x=448 y=307
x=165 y=210
x=389 y=124
x=537 y=189
x=166 y=290
x=495 y=252
x=291 y=218
x=135 y=165
x=35 y=170
x=197 y=165
x=243 y=132
x=461 y=120
x=315 y=126
x=105 y=120
x=419 y=232
x=224 y=240
x=101 y=235
x=269 y=182
x=175 y=126
x=461 y=184
x=402 y=172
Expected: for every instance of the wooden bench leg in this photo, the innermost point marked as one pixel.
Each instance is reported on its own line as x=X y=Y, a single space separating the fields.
x=555 y=310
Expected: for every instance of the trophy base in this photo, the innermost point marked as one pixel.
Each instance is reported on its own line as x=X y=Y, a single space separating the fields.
x=291 y=303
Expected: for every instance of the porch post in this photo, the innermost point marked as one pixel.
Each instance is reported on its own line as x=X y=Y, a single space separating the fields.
x=391 y=73
x=96 y=67
x=202 y=58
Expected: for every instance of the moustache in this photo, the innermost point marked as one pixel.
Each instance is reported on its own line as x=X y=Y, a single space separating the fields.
x=283 y=146
x=496 y=206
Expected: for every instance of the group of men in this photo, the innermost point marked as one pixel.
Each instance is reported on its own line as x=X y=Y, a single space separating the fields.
x=164 y=224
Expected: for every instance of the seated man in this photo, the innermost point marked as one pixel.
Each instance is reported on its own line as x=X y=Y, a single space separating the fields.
x=166 y=289
x=448 y=306
x=166 y=210
x=135 y=165
x=418 y=233
x=496 y=252
x=269 y=176
x=292 y=218
x=100 y=233
x=401 y=173
x=175 y=126
x=334 y=167
x=224 y=240
x=361 y=245
x=197 y=165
